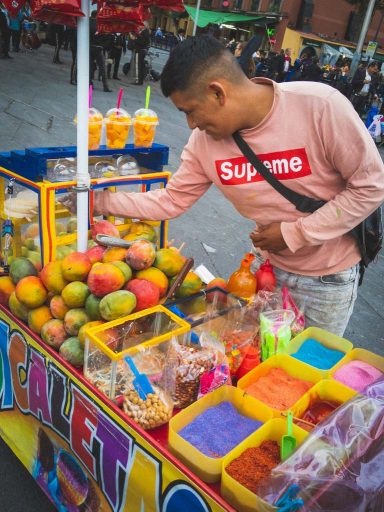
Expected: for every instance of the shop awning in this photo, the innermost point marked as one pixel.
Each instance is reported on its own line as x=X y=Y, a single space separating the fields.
x=216 y=17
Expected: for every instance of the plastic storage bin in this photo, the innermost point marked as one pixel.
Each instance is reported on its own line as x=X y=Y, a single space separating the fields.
x=325 y=338
x=153 y=158
x=294 y=368
x=208 y=468
x=107 y=345
x=359 y=354
x=205 y=305
x=326 y=389
x=233 y=491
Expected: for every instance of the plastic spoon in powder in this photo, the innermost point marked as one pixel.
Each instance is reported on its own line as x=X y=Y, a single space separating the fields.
x=288 y=441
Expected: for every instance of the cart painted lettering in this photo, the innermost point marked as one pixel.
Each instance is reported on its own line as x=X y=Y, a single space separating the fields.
x=129 y=476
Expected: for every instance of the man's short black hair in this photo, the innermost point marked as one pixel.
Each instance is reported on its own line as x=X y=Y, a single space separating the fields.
x=195 y=58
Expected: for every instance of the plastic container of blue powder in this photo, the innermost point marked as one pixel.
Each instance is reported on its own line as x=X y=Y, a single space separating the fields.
x=319 y=348
x=203 y=433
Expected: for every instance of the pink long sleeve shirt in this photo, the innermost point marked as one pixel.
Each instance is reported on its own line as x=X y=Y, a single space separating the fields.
x=313 y=140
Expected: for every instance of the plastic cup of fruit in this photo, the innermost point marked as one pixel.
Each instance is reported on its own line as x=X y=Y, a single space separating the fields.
x=144 y=126
x=95 y=127
x=117 y=124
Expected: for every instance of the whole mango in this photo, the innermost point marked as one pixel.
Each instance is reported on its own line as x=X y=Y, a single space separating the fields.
x=117 y=304
x=169 y=261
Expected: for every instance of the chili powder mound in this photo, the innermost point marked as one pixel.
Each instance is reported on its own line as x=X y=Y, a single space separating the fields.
x=278 y=389
x=319 y=410
x=255 y=464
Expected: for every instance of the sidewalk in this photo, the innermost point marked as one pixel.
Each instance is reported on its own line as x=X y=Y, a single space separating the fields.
x=37 y=108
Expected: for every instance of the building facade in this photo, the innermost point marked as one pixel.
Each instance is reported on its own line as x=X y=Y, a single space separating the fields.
x=336 y=22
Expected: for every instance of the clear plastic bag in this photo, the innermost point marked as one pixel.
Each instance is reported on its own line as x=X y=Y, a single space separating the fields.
x=189 y=362
x=339 y=467
x=156 y=408
x=233 y=334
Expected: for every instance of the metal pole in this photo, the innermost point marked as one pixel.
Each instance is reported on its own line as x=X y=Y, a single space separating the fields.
x=364 y=29
x=82 y=177
x=196 y=17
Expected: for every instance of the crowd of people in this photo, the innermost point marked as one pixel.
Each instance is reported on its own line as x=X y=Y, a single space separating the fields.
x=106 y=50
x=16 y=31
x=365 y=87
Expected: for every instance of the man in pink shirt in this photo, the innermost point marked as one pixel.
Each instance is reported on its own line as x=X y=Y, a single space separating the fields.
x=308 y=135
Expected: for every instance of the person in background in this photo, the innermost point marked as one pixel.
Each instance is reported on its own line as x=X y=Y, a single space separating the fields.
x=306 y=133
x=4 y=33
x=276 y=65
x=364 y=83
x=159 y=33
x=286 y=65
x=239 y=49
x=15 y=25
x=58 y=33
x=142 y=42
x=118 y=46
x=296 y=70
x=180 y=36
x=232 y=45
x=97 y=58
x=312 y=72
x=245 y=53
x=71 y=33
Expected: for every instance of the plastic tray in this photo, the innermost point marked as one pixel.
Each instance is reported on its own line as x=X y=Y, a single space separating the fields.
x=153 y=158
x=235 y=493
x=360 y=354
x=327 y=389
x=325 y=338
x=182 y=306
x=208 y=468
x=32 y=163
x=292 y=366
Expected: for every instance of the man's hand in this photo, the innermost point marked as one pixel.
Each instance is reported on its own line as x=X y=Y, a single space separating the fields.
x=268 y=238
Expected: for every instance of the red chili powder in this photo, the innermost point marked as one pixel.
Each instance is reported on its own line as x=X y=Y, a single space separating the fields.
x=254 y=464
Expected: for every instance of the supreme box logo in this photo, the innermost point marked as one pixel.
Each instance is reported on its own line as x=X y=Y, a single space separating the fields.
x=284 y=165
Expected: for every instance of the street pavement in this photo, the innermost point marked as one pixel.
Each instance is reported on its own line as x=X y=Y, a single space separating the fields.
x=37 y=108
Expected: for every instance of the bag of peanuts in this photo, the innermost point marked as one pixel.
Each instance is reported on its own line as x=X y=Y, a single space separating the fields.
x=191 y=363
x=155 y=408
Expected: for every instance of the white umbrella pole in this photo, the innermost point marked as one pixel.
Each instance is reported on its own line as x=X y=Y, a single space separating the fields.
x=82 y=178
x=196 y=17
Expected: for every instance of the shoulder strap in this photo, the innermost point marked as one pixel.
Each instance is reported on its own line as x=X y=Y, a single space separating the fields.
x=303 y=203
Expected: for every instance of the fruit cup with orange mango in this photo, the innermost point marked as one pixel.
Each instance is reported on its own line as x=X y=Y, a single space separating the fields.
x=144 y=126
x=117 y=124
x=95 y=127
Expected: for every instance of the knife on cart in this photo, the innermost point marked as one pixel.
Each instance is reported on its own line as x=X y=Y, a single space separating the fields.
x=113 y=241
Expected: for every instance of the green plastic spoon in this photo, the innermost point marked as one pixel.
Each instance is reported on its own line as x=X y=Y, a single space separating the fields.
x=288 y=441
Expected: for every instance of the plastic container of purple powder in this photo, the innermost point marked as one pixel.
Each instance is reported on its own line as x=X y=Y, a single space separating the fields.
x=203 y=433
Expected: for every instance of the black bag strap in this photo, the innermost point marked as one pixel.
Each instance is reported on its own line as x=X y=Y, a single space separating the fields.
x=303 y=203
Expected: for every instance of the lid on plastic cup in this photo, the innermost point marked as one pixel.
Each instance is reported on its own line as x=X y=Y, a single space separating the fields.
x=118 y=115
x=146 y=115
x=94 y=115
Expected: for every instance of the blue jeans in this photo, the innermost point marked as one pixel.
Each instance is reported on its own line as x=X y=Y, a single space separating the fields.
x=327 y=301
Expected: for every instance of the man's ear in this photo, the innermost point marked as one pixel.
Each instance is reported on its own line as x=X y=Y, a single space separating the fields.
x=219 y=91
